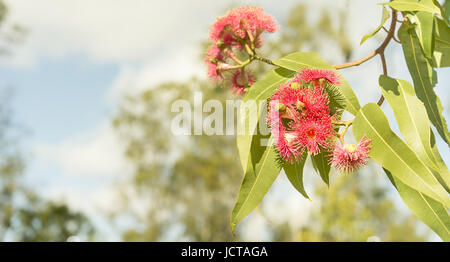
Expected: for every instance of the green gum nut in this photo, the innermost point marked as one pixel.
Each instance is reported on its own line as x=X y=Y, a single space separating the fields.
x=322 y=81
x=220 y=44
x=295 y=85
x=350 y=148
x=300 y=105
x=213 y=60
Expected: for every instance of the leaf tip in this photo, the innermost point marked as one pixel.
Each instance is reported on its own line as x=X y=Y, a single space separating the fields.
x=233 y=227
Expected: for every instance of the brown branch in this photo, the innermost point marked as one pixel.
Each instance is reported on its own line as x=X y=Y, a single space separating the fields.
x=379 y=50
x=356 y=62
x=265 y=60
x=383 y=63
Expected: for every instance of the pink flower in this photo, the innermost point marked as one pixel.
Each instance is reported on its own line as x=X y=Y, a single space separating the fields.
x=253 y=19
x=311 y=75
x=286 y=97
x=238 y=22
x=221 y=24
x=239 y=27
x=212 y=71
x=314 y=134
x=213 y=57
x=214 y=52
x=285 y=146
x=240 y=81
x=284 y=142
x=349 y=158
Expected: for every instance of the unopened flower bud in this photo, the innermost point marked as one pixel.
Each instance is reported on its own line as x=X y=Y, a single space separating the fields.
x=295 y=85
x=300 y=105
x=213 y=60
x=220 y=44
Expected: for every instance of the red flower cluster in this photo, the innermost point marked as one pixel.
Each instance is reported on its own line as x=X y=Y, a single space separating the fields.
x=237 y=24
x=231 y=33
x=349 y=157
x=299 y=116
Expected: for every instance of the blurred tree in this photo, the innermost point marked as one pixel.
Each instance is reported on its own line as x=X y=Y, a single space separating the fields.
x=184 y=187
x=354 y=210
x=24 y=216
x=192 y=179
x=11 y=34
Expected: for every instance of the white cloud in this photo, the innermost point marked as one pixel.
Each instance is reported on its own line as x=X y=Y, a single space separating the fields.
x=177 y=66
x=108 y=31
x=95 y=153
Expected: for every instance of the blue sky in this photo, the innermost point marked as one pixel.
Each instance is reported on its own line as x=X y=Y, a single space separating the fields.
x=60 y=97
x=80 y=56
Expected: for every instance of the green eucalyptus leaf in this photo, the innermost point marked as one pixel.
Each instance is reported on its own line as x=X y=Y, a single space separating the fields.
x=444 y=175
x=424 y=30
x=446 y=11
x=441 y=55
x=300 y=60
x=389 y=150
x=424 y=78
x=385 y=16
x=414 y=5
x=411 y=117
x=262 y=170
x=429 y=211
x=322 y=166
x=250 y=110
x=294 y=172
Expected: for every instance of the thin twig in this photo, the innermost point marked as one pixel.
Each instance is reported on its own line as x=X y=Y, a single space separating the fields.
x=265 y=60
x=395 y=39
x=383 y=63
x=356 y=62
x=379 y=50
x=232 y=56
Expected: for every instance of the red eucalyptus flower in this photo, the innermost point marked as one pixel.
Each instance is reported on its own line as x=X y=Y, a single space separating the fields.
x=312 y=75
x=240 y=81
x=349 y=157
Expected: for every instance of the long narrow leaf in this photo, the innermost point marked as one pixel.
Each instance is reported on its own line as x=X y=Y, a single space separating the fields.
x=411 y=117
x=426 y=209
x=393 y=154
x=424 y=78
x=258 y=178
x=294 y=172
